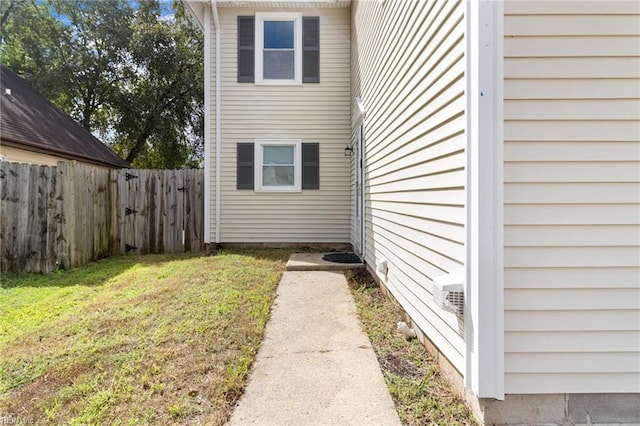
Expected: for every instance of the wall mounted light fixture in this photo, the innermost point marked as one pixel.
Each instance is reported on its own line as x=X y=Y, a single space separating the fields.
x=348 y=151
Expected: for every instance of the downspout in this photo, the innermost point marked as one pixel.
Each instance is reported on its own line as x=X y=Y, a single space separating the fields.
x=206 y=27
x=484 y=292
x=216 y=21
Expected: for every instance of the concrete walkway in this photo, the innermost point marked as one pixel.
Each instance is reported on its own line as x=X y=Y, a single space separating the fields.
x=315 y=365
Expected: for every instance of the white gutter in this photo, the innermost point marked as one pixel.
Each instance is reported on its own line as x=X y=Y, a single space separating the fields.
x=203 y=18
x=216 y=21
x=206 y=26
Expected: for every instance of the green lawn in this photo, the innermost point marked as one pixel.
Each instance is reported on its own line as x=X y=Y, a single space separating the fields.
x=158 y=339
x=169 y=339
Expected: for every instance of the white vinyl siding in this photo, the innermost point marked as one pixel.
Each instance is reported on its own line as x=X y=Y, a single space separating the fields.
x=408 y=68
x=311 y=113
x=572 y=197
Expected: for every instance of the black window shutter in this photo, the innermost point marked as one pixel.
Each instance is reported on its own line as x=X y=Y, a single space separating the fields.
x=245 y=166
x=310 y=166
x=311 y=49
x=246 y=48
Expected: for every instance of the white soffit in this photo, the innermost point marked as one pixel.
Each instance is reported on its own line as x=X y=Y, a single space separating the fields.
x=283 y=4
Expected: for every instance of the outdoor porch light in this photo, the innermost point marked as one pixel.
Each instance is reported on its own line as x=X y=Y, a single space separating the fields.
x=348 y=151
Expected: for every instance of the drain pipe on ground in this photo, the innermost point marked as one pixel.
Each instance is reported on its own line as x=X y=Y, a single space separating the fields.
x=405 y=330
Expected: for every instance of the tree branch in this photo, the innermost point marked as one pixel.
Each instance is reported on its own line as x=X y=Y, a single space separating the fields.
x=7 y=12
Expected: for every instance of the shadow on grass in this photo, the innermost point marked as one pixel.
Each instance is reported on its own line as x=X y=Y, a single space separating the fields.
x=279 y=253
x=97 y=273
x=93 y=274
x=270 y=254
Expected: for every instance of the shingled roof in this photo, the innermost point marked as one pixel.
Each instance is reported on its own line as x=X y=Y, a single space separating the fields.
x=30 y=122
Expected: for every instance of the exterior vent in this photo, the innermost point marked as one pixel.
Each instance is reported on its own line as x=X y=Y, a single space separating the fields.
x=448 y=293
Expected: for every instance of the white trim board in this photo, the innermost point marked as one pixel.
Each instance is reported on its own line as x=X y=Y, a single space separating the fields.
x=484 y=299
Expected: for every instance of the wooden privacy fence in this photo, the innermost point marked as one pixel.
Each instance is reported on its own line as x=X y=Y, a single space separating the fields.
x=68 y=215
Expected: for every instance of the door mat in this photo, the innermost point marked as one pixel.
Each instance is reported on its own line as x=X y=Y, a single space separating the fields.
x=342 y=258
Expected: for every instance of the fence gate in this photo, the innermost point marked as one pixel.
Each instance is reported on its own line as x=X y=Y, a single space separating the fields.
x=161 y=210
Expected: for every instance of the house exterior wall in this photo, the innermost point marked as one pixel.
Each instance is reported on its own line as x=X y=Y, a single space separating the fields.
x=408 y=68
x=309 y=112
x=572 y=197
x=16 y=155
x=571 y=181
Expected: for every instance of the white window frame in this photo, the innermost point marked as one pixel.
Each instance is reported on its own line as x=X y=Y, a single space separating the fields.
x=260 y=18
x=297 y=165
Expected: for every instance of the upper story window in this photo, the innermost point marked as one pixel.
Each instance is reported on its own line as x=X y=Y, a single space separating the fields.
x=278 y=48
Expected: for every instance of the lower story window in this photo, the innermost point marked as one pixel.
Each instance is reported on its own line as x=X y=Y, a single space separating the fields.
x=278 y=165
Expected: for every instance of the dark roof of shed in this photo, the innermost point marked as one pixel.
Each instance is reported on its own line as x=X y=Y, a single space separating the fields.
x=29 y=121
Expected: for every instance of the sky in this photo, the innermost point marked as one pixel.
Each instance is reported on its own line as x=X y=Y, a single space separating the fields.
x=165 y=5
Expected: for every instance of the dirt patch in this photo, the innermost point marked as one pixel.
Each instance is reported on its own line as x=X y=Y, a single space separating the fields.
x=360 y=278
x=33 y=395
x=398 y=365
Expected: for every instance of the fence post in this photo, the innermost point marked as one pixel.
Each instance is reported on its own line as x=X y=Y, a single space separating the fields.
x=47 y=211
x=61 y=215
x=194 y=210
x=124 y=195
x=114 y=212
x=9 y=214
x=4 y=218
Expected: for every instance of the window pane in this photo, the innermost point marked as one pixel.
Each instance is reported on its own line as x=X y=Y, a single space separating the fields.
x=278 y=34
x=278 y=65
x=277 y=155
x=278 y=176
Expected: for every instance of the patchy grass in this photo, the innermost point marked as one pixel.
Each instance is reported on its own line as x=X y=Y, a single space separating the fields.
x=421 y=394
x=158 y=339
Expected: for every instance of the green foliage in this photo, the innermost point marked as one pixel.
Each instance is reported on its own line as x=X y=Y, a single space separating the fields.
x=127 y=71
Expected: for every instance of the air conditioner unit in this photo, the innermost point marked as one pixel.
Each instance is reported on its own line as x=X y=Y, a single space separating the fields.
x=448 y=292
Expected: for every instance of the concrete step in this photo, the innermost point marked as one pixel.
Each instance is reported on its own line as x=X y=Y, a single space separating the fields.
x=315 y=262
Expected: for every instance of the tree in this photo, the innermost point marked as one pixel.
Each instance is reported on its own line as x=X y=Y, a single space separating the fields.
x=165 y=93
x=129 y=72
